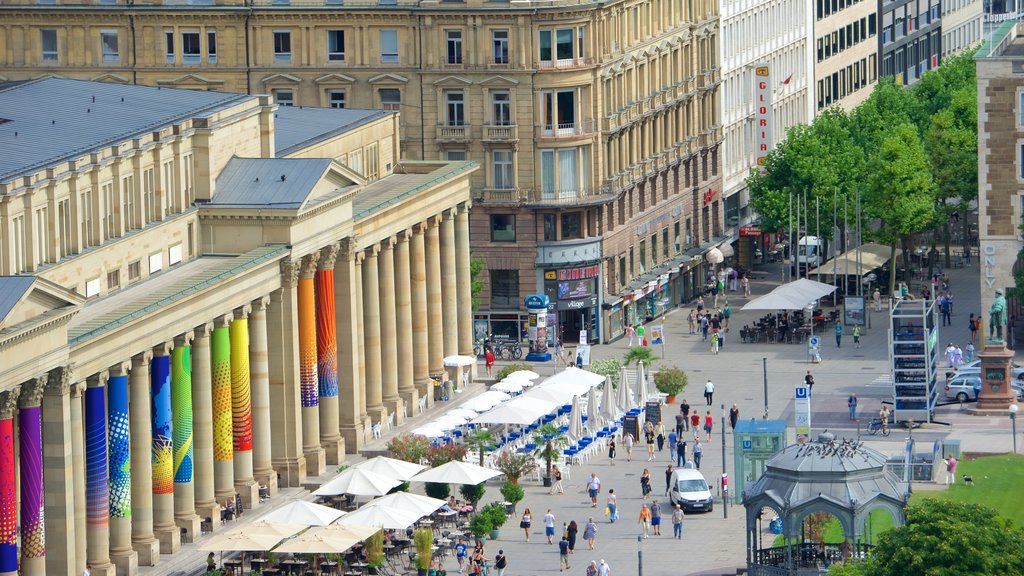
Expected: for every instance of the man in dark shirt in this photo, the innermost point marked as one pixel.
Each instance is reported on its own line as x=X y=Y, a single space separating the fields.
x=680 y=423
x=563 y=554
x=684 y=408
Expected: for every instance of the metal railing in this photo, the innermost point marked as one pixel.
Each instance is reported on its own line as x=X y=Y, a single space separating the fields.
x=567 y=130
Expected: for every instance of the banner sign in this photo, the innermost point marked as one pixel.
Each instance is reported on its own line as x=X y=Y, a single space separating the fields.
x=762 y=115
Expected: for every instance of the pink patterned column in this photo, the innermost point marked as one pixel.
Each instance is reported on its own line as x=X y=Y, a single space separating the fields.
x=8 y=485
x=30 y=428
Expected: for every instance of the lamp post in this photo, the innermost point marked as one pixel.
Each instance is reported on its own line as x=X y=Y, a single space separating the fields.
x=725 y=476
x=639 y=556
x=1013 y=422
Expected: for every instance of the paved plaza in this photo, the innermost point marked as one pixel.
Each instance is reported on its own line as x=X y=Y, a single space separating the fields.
x=711 y=543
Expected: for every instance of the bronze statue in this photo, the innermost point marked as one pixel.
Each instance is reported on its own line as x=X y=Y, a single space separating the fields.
x=997 y=317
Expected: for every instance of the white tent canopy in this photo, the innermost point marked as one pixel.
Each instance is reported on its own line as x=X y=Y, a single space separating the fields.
x=523 y=410
x=422 y=505
x=642 y=393
x=387 y=517
x=390 y=467
x=872 y=255
x=795 y=295
x=457 y=472
x=555 y=394
x=358 y=482
x=305 y=513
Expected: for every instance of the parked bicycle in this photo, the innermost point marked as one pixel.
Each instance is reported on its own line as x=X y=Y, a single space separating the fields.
x=876 y=426
x=508 y=349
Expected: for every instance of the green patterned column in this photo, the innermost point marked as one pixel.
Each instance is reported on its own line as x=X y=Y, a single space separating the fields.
x=181 y=405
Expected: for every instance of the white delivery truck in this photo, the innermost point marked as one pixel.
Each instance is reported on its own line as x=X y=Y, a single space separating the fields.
x=812 y=252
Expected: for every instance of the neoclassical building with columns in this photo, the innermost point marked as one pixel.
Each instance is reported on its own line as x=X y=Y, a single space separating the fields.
x=201 y=295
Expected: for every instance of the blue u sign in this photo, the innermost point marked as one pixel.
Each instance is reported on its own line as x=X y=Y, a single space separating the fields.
x=801 y=392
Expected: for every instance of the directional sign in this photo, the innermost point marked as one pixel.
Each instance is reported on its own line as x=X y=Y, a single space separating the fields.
x=802 y=414
x=813 y=341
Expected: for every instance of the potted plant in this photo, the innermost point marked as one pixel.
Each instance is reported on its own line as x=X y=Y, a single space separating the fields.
x=512 y=493
x=639 y=354
x=480 y=525
x=375 y=551
x=496 y=517
x=423 y=540
x=409 y=448
x=472 y=493
x=514 y=465
x=670 y=381
x=610 y=368
x=550 y=441
x=479 y=440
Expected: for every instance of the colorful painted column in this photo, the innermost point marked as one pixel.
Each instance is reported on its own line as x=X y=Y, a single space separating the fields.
x=202 y=425
x=97 y=474
x=241 y=410
x=30 y=446
x=259 y=375
x=58 y=474
x=163 y=453
x=316 y=458
x=122 y=554
x=140 y=424
x=327 y=357
x=223 y=455
x=8 y=485
x=181 y=407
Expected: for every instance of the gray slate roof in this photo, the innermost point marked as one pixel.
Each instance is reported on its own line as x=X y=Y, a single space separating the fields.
x=297 y=127
x=56 y=119
x=12 y=289
x=257 y=182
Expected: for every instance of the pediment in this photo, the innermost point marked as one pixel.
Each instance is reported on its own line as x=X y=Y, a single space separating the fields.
x=282 y=79
x=190 y=80
x=499 y=81
x=388 y=79
x=30 y=297
x=112 y=78
x=335 y=79
x=47 y=75
x=449 y=80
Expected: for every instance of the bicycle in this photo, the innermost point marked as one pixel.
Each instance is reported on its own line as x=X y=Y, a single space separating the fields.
x=876 y=426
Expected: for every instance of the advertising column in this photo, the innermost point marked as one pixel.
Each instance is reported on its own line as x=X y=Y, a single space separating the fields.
x=537 y=329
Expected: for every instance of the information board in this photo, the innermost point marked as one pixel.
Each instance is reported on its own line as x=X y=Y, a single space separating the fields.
x=802 y=414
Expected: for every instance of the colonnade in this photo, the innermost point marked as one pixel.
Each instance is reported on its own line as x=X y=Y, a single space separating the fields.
x=112 y=468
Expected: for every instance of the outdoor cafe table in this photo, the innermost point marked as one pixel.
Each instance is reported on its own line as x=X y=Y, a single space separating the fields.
x=293 y=566
x=234 y=565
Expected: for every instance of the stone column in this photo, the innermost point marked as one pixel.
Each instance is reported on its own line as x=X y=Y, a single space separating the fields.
x=259 y=373
x=223 y=452
x=58 y=474
x=78 y=465
x=241 y=410
x=283 y=362
x=371 y=336
x=327 y=357
x=97 y=492
x=202 y=425
x=120 y=495
x=184 y=453
x=30 y=456
x=435 y=318
x=316 y=458
x=164 y=529
x=464 y=296
x=8 y=485
x=141 y=427
x=449 y=294
x=420 y=331
x=388 y=335
x=348 y=320
x=404 y=322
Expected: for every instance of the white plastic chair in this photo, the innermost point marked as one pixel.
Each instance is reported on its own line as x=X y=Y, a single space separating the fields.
x=391 y=421
x=376 y=430
x=423 y=405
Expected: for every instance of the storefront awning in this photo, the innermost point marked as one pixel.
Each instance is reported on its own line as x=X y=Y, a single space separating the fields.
x=872 y=256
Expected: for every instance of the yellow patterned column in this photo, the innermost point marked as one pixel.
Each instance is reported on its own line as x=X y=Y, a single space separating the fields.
x=220 y=369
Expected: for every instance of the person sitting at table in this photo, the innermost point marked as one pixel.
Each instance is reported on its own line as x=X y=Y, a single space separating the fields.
x=211 y=562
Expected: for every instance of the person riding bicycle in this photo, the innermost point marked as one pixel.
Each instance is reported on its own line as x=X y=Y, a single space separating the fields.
x=883 y=416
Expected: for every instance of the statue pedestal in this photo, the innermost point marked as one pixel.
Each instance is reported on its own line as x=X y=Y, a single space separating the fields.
x=996 y=392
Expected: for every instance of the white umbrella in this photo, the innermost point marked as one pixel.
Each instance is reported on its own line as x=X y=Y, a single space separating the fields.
x=387 y=517
x=264 y=528
x=427 y=431
x=358 y=482
x=496 y=395
x=457 y=361
x=527 y=374
x=448 y=422
x=523 y=410
x=463 y=411
x=391 y=467
x=305 y=513
x=240 y=542
x=641 y=385
x=625 y=396
x=327 y=540
x=608 y=410
x=714 y=256
x=593 y=416
x=457 y=472
x=576 y=380
x=561 y=396
x=576 y=420
x=422 y=505
x=795 y=295
x=480 y=403
x=508 y=386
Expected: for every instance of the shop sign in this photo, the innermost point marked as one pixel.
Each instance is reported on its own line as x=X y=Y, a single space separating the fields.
x=709 y=196
x=750 y=231
x=581 y=304
x=762 y=115
x=537 y=301
x=579 y=273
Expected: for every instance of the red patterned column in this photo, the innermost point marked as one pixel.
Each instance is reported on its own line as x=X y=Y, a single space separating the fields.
x=316 y=461
x=327 y=356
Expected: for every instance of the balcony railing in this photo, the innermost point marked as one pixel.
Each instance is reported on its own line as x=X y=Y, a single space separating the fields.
x=565 y=64
x=506 y=133
x=448 y=133
x=567 y=130
x=502 y=196
x=567 y=197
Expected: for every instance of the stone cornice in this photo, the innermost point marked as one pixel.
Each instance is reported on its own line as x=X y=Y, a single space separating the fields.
x=58 y=382
x=9 y=402
x=32 y=392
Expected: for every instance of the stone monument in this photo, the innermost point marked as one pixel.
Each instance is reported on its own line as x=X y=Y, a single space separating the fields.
x=996 y=392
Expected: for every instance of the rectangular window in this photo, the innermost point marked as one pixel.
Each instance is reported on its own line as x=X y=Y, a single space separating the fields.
x=390 y=98
x=677 y=246
x=64 y=227
x=571 y=225
x=643 y=256
x=42 y=225
x=1020 y=109
x=1020 y=161
x=284 y=97
x=191 y=51
x=550 y=228
x=664 y=243
x=502 y=162
x=501 y=108
x=156 y=262
x=564 y=44
x=336 y=45
x=113 y=279
x=48 y=44
x=503 y=228
x=108 y=44
x=128 y=202
x=336 y=98
x=355 y=161
x=211 y=46
x=544 y=46
x=453 y=46
x=505 y=289
x=134 y=269
x=169 y=46
x=174 y=254
x=92 y=287
x=622 y=270
x=455 y=108
x=372 y=161
x=389 y=46
x=282 y=47
x=499 y=42
x=455 y=154
x=632 y=261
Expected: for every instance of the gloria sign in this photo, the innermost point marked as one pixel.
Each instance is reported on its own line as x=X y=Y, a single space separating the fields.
x=762 y=115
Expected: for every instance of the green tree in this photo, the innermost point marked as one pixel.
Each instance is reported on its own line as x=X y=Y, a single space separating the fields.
x=953 y=154
x=900 y=192
x=479 y=440
x=476 y=282
x=889 y=106
x=639 y=354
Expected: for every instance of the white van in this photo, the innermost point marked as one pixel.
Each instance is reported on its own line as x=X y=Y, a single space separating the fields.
x=690 y=490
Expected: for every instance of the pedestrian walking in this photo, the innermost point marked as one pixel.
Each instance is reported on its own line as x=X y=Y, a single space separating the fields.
x=645 y=520
x=672 y=437
x=649 y=439
x=680 y=452
x=839 y=335
x=809 y=382
x=851 y=403
x=726 y=314
x=709 y=422
x=695 y=422
x=661 y=436
x=969 y=353
x=612 y=506
x=501 y=562
x=746 y=287
x=972 y=325
x=877 y=299
x=603 y=569
x=590 y=532
x=734 y=416
x=951 y=469
x=704 y=325
x=592 y=568
x=656 y=518
x=631 y=333
x=685 y=409
x=856 y=335
x=594 y=486
x=677 y=522
x=641 y=334
x=627 y=441
x=714 y=343
x=611 y=451
x=698 y=451
x=645 y=483
x=489 y=361
x=680 y=422
x=525 y=522
x=668 y=479
x=572 y=530
x=549 y=526
x=460 y=555
x=556 y=475
x=563 y=554
x=709 y=392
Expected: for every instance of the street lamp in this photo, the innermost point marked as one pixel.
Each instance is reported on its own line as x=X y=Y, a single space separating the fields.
x=1013 y=421
x=639 y=556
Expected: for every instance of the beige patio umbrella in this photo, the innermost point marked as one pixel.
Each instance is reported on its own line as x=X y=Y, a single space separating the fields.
x=265 y=527
x=235 y=541
x=391 y=467
x=303 y=513
x=358 y=482
x=315 y=541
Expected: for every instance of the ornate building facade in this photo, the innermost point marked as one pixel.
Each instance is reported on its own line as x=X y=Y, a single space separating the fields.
x=198 y=299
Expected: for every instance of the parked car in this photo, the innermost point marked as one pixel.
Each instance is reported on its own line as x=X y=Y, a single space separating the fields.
x=690 y=490
x=1016 y=370
x=963 y=387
